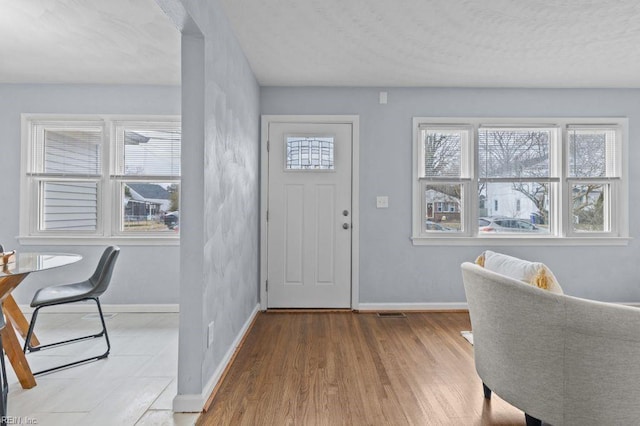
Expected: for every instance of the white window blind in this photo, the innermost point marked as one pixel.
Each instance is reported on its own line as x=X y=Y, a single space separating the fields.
x=592 y=152
x=513 y=153
x=149 y=151
x=442 y=152
x=72 y=152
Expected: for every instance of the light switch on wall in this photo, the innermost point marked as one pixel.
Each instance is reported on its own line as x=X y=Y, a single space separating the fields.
x=382 y=202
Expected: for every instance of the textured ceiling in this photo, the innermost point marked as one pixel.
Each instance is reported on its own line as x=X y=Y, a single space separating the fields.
x=434 y=43
x=87 y=41
x=444 y=43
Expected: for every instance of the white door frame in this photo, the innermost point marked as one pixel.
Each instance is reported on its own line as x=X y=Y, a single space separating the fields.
x=354 y=120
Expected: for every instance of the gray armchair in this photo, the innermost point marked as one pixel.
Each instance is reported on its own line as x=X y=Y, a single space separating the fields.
x=560 y=359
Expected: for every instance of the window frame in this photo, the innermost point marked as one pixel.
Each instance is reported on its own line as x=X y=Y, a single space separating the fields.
x=109 y=223
x=561 y=232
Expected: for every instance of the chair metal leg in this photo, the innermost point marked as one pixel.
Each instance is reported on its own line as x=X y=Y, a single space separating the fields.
x=104 y=329
x=28 y=348
x=5 y=387
x=532 y=421
x=27 y=340
x=487 y=391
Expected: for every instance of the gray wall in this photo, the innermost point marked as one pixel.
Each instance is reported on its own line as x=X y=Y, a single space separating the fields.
x=221 y=107
x=142 y=275
x=392 y=270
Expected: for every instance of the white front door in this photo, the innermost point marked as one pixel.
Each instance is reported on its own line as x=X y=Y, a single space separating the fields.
x=309 y=215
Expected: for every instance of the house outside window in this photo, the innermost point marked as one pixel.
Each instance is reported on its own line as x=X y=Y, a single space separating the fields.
x=100 y=177
x=550 y=178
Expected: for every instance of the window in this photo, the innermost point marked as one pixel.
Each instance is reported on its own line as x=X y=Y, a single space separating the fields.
x=514 y=162
x=309 y=153
x=520 y=178
x=593 y=173
x=443 y=176
x=100 y=177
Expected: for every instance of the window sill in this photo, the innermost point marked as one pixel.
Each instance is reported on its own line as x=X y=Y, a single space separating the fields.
x=99 y=241
x=520 y=241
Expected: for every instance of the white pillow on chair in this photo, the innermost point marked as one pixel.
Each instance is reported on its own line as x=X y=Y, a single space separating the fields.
x=535 y=273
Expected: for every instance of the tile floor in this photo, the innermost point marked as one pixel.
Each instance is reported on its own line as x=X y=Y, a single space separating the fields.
x=135 y=385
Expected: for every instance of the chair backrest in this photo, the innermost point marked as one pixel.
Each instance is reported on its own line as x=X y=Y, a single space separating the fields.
x=518 y=341
x=102 y=275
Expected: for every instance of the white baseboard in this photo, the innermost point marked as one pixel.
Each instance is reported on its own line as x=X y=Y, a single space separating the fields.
x=194 y=403
x=407 y=307
x=412 y=306
x=189 y=403
x=90 y=307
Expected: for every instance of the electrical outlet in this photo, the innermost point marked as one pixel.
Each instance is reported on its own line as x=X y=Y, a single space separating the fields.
x=382 y=202
x=210 y=334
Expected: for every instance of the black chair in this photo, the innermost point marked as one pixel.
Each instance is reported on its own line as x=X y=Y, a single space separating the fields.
x=90 y=289
x=4 y=381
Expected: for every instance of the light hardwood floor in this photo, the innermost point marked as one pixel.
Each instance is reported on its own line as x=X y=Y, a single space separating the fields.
x=135 y=385
x=346 y=368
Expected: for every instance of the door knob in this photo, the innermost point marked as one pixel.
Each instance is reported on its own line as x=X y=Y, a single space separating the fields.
x=345 y=226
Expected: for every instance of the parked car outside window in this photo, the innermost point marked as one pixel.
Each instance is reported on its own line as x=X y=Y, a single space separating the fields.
x=434 y=226
x=507 y=224
x=172 y=220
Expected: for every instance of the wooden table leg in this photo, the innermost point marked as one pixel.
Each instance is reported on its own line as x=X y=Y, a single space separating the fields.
x=17 y=318
x=14 y=352
x=10 y=342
